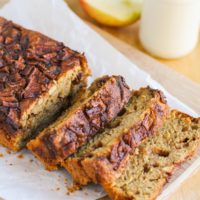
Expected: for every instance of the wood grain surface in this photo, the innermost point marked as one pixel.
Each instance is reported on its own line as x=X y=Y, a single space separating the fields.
x=170 y=73
x=188 y=65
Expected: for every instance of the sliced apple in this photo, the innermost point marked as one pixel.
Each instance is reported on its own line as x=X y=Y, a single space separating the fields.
x=113 y=12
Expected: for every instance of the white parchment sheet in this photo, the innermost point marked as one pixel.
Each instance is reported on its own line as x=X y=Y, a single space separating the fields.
x=25 y=178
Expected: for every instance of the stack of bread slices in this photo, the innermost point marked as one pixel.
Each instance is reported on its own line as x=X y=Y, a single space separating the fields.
x=129 y=141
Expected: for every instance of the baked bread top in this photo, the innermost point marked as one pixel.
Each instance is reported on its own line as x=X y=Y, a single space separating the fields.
x=29 y=64
x=99 y=105
x=105 y=155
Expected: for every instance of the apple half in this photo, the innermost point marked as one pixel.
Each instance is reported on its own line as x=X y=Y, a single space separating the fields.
x=113 y=12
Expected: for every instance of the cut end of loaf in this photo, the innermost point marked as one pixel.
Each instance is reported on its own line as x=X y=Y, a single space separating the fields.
x=34 y=69
x=149 y=170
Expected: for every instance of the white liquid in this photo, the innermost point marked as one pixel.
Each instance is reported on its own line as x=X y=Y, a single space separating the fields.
x=170 y=28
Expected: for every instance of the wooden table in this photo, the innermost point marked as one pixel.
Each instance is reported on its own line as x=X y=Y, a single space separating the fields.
x=189 y=66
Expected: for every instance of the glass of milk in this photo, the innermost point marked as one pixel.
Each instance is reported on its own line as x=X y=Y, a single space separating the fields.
x=170 y=28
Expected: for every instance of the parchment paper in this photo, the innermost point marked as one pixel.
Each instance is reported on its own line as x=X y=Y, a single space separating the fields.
x=23 y=177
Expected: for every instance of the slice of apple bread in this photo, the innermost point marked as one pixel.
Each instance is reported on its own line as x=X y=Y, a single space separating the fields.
x=155 y=160
x=98 y=105
x=105 y=155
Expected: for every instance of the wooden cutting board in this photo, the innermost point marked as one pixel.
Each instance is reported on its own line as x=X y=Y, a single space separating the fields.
x=178 y=85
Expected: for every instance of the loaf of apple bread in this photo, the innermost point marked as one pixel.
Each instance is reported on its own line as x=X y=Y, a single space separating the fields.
x=155 y=160
x=37 y=77
x=106 y=154
x=97 y=106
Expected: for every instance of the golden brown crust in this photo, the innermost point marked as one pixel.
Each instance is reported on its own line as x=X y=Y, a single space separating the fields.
x=53 y=146
x=7 y=141
x=101 y=167
x=29 y=64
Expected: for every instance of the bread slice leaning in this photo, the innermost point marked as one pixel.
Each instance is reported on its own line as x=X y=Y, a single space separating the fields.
x=106 y=154
x=37 y=77
x=156 y=159
x=99 y=105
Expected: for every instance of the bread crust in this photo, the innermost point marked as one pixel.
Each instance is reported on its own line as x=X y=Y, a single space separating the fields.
x=108 y=165
x=54 y=145
x=30 y=65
